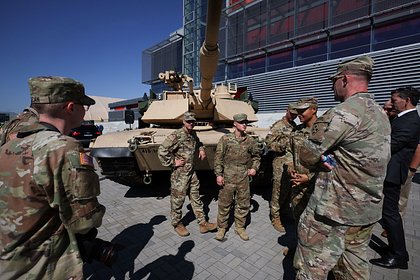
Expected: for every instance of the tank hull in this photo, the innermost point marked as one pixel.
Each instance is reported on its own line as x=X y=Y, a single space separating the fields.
x=132 y=155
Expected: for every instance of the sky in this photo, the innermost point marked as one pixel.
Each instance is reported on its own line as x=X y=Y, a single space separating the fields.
x=96 y=42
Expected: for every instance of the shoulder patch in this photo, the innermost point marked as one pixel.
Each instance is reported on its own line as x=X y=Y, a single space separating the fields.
x=86 y=160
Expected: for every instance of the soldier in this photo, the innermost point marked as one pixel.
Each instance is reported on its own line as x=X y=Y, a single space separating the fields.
x=237 y=157
x=10 y=129
x=178 y=151
x=302 y=180
x=335 y=227
x=278 y=141
x=48 y=188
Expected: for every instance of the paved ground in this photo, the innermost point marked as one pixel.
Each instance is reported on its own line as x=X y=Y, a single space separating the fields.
x=138 y=219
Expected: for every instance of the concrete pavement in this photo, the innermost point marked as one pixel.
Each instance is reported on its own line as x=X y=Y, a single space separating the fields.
x=138 y=219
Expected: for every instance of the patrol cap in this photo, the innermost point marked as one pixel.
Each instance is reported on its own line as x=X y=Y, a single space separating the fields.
x=53 y=89
x=362 y=63
x=240 y=117
x=292 y=108
x=189 y=116
x=305 y=103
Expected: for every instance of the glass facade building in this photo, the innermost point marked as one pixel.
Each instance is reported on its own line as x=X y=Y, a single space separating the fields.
x=262 y=42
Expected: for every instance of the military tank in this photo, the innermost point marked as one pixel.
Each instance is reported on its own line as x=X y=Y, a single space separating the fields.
x=130 y=157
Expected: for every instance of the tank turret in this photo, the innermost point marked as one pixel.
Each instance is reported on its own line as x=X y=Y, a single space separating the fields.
x=211 y=103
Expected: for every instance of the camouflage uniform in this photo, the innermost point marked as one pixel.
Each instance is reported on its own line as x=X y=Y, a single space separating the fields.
x=48 y=195
x=300 y=194
x=182 y=145
x=10 y=129
x=234 y=156
x=335 y=228
x=278 y=141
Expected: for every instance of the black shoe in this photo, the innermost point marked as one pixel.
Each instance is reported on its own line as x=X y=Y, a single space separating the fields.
x=390 y=262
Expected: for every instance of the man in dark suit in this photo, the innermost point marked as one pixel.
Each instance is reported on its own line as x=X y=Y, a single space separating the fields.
x=405 y=133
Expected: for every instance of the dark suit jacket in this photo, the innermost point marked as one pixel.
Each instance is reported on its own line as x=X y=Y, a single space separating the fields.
x=405 y=133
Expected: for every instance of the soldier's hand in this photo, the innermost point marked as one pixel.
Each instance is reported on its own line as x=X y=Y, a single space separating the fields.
x=298 y=179
x=202 y=154
x=252 y=172
x=179 y=162
x=220 y=181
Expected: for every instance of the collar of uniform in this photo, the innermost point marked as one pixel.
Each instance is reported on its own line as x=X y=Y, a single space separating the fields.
x=35 y=128
x=363 y=94
x=50 y=127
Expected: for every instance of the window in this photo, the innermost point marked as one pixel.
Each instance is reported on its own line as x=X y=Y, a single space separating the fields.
x=310 y=54
x=281 y=24
x=256 y=20
x=235 y=70
x=397 y=34
x=311 y=17
x=255 y=66
x=280 y=60
x=350 y=44
x=347 y=10
x=235 y=34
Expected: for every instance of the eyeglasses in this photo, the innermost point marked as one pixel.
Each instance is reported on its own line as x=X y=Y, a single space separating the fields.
x=190 y=122
x=336 y=78
x=86 y=107
x=243 y=122
x=301 y=111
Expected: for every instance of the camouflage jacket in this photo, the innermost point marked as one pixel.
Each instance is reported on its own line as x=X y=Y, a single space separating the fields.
x=234 y=156
x=10 y=129
x=277 y=139
x=48 y=194
x=357 y=132
x=180 y=145
x=297 y=137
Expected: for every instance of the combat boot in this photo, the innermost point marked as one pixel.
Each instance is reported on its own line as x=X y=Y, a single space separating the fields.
x=181 y=230
x=206 y=227
x=277 y=225
x=242 y=234
x=220 y=235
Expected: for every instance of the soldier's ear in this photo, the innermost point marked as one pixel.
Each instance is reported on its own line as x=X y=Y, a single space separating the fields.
x=69 y=107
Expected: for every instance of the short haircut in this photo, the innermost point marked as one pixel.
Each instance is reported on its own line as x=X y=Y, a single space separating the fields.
x=408 y=92
x=365 y=75
x=54 y=110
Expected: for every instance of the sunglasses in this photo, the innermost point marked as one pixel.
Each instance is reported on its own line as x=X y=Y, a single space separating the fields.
x=336 y=78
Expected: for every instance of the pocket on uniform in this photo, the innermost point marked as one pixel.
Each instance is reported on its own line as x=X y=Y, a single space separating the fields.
x=84 y=180
x=312 y=232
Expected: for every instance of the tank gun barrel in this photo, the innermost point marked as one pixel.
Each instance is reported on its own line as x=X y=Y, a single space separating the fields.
x=209 y=52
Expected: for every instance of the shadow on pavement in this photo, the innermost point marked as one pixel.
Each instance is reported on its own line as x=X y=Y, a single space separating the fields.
x=169 y=267
x=132 y=240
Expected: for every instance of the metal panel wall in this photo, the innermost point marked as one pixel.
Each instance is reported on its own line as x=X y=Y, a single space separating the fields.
x=274 y=90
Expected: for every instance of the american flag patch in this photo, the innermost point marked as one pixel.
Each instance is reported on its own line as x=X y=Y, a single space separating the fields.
x=86 y=160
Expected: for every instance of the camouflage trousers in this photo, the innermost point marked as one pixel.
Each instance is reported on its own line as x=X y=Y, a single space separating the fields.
x=299 y=197
x=239 y=193
x=183 y=183
x=324 y=245
x=281 y=187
